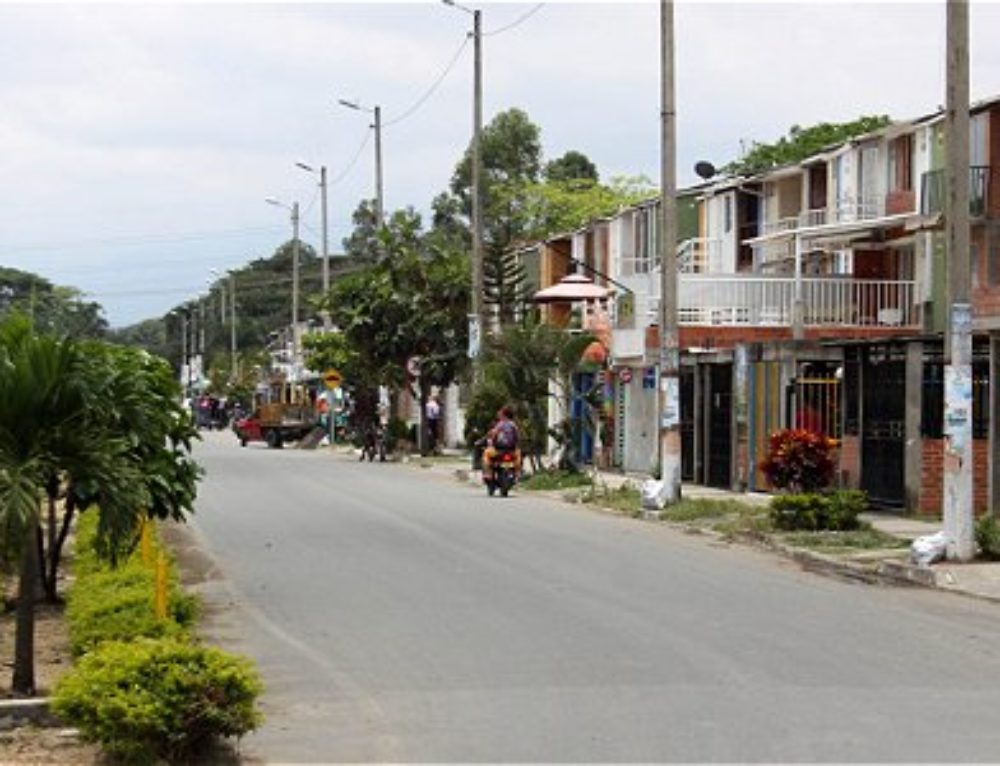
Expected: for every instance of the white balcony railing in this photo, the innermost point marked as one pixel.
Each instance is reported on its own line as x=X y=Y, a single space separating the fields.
x=769 y=301
x=697 y=255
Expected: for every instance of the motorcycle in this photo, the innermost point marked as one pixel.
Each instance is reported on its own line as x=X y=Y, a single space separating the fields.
x=374 y=444
x=503 y=476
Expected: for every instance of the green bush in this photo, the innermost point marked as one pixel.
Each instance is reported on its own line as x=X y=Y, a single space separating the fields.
x=988 y=538
x=117 y=604
x=158 y=698
x=812 y=511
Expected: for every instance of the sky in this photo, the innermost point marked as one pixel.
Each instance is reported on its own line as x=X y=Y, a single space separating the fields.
x=138 y=142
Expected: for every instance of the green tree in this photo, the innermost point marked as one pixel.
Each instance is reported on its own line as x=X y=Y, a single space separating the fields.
x=413 y=302
x=803 y=142
x=52 y=308
x=572 y=166
x=363 y=242
x=87 y=424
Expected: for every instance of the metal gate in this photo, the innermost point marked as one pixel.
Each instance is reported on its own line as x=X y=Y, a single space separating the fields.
x=720 y=426
x=883 y=425
x=687 y=425
x=817 y=404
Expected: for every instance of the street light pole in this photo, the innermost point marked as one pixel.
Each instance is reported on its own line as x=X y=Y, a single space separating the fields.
x=325 y=236
x=377 y=113
x=294 y=208
x=234 y=365
x=669 y=426
x=477 y=319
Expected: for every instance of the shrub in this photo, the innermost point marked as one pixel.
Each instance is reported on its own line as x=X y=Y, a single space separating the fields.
x=811 y=511
x=798 y=460
x=988 y=538
x=117 y=604
x=158 y=698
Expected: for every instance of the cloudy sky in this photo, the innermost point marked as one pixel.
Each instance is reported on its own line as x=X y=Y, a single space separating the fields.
x=138 y=142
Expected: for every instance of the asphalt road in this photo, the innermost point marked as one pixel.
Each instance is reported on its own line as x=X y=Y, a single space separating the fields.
x=401 y=616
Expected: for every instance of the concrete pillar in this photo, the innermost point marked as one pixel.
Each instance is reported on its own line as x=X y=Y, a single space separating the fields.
x=741 y=421
x=913 y=451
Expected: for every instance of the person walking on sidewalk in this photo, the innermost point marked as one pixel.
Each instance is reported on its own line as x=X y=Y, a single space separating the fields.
x=432 y=412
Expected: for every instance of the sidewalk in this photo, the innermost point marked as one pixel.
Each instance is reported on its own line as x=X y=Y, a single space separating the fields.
x=979 y=579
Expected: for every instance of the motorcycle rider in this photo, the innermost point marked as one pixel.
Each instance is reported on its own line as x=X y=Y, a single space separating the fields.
x=501 y=439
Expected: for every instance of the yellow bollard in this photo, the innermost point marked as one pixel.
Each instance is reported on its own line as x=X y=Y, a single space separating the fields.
x=146 y=542
x=160 y=603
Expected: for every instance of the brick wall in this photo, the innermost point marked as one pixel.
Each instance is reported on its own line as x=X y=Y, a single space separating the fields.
x=850 y=461
x=932 y=475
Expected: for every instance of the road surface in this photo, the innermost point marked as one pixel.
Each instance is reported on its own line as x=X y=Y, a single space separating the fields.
x=398 y=615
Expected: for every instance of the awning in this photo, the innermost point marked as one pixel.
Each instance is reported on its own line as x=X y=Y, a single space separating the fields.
x=573 y=287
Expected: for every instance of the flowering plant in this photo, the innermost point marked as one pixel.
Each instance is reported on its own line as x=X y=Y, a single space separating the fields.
x=799 y=460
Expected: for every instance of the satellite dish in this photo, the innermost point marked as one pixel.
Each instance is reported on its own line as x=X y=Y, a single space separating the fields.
x=705 y=169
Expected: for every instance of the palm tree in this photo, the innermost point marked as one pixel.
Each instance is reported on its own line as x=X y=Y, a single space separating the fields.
x=40 y=396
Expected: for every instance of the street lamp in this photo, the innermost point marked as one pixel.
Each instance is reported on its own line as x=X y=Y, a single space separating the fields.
x=294 y=209
x=377 y=112
x=476 y=322
x=326 y=251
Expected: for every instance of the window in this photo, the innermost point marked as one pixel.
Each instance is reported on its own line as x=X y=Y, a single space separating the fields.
x=728 y=212
x=900 y=167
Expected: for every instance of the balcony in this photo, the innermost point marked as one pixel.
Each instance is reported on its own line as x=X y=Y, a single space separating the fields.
x=762 y=301
x=697 y=255
x=932 y=191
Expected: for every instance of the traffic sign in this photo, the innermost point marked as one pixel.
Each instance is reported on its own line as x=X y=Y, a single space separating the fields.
x=625 y=374
x=332 y=379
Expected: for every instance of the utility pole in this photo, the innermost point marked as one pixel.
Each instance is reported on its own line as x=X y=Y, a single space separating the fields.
x=185 y=374
x=478 y=323
x=325 y=227
x=958 y=497
x=669 y=426
x=326 y=245
x=295 y=291
x=379 y=202
x=234 y=364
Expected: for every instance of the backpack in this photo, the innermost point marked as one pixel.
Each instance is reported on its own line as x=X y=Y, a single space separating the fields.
x=506 y=436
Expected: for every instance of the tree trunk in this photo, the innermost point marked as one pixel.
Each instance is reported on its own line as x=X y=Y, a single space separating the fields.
x=24 y=642
x=55 y=551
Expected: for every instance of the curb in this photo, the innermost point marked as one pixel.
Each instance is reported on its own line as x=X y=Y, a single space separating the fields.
x=16 y=712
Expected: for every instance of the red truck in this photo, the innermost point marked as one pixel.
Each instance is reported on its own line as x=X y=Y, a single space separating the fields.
x=275 y=423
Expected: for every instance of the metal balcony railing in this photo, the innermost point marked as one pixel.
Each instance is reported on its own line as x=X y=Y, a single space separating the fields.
x=932 y=191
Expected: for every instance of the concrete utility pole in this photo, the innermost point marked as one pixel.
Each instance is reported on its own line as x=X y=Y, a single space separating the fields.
x=477 y=198
x=379 y=201
x=185 y=367
x=477 y=319
x=670 y=421
x=295 y=291
x=958 y=497
x=325 y=235
x=234 y=365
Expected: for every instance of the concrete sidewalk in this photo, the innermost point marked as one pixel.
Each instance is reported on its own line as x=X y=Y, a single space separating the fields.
x=980 y=579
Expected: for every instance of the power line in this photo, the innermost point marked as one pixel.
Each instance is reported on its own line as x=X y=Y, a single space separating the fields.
x=516 y=22
x=343 y=174
x=140 y=239
x=434 y=86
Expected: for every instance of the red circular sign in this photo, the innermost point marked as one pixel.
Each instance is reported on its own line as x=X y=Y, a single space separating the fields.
x=625 y=374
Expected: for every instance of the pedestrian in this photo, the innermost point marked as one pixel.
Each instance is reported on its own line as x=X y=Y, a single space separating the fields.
x=432 y=411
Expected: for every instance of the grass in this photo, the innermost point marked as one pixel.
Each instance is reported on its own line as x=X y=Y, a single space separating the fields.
x=625 y=499
x=754 y=521
x=864 y=539
x=554 y=480
x=702 y=509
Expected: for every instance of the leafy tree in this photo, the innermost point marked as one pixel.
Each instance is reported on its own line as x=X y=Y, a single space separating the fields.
x=51 y=308
x=520 y=363
x=560 y=206
x=85 y=424
x=413 y=302
x=572 y=166
x=363 y=241
x=803 y=142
